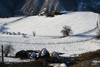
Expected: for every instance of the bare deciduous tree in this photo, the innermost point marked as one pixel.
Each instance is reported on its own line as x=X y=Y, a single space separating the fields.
x=66 y=31
x=8 y=49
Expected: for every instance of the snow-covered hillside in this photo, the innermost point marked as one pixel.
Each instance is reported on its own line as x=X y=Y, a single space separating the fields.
x=80 y=22
x=84 y=26
x=8 y=20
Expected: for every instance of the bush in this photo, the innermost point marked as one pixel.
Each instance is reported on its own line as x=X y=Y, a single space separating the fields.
x=66 y=31
x=74 y=9
x=56 y=13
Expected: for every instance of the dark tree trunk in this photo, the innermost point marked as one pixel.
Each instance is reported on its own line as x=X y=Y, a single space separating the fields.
x=6 y=55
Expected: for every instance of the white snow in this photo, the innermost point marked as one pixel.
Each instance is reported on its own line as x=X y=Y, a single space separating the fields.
x=8 y=20
x=63 y=65
x=48 y=30
x=55 y=64
x=95 y=62
x=3 y=20
x=8 y=59
x=47 y=26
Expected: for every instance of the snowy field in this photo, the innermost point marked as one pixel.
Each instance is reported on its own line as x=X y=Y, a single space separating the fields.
x=46 y=26
x=83 y=24
x=8 y=20
x=8 y=59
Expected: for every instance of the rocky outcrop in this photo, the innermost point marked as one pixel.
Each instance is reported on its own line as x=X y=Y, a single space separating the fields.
x=10 y=7
x=34 y=7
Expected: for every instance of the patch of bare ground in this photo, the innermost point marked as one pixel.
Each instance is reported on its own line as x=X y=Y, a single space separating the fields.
x=86 y=59
x=86 y=63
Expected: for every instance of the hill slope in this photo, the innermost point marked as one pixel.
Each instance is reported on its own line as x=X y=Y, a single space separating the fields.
x=53 y=26
x=48 y=31
x=34 y=7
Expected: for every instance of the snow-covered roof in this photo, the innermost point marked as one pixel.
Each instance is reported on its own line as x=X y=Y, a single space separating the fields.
x=33 y=55
x=44 y=51
x=55 y=54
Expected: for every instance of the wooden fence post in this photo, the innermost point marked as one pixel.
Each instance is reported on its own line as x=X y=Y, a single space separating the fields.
x=2 y=57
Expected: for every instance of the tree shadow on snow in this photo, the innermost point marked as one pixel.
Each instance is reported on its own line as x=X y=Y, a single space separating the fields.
x=82 y=35
x=26 y=37
x=4 y=28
